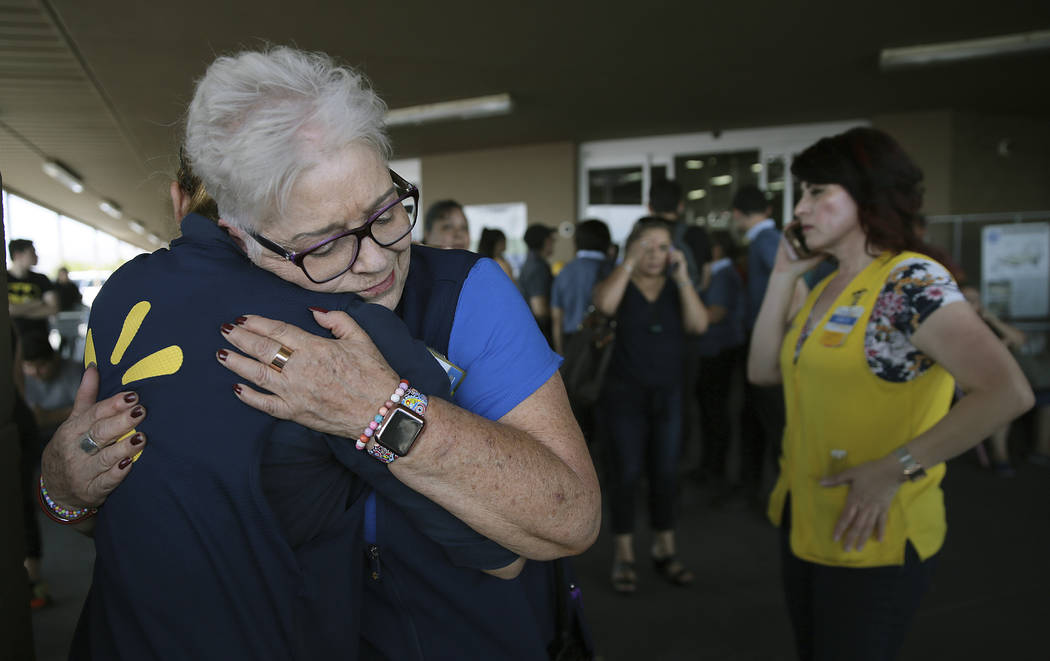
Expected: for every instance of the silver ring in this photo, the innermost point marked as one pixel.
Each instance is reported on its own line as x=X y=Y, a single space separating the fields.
x=280 y=359
x=88 y=444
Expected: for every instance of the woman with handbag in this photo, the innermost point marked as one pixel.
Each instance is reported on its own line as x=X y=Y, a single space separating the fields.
x=655 y=305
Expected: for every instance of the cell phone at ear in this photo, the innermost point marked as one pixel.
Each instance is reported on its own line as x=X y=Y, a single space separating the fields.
x=797 y=241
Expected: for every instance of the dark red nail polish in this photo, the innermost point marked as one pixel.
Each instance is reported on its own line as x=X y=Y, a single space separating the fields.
x=237 y=388
x=137 y=439
x=124 y=463
x=240 y=320
x=317 y=309
x=223 y=353
x=137 y=412
x=226 y=328
x=130 y=397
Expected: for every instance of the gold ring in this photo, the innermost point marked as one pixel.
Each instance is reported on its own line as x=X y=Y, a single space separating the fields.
x=280 y=359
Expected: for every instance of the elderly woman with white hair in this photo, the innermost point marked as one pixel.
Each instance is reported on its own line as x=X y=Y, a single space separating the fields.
x=291 y=147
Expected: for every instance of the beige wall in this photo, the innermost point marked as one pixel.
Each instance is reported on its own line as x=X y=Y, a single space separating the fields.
x=927 y=137
x=986 y=179
x=959 y=153
x=542 y=176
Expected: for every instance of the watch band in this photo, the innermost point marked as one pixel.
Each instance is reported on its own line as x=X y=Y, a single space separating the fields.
x=911 y=469
x=381 y=453
x=412 y=404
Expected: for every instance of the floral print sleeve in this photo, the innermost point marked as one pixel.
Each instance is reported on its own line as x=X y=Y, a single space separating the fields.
x=915 y=289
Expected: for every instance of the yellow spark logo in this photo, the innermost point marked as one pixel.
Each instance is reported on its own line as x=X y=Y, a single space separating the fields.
x=159 y=363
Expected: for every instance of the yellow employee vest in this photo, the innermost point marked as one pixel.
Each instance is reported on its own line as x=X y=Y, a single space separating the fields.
x=840 y=414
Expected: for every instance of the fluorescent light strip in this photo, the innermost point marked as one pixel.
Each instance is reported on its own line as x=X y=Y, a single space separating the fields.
x=722 y=180
x=137 y=227
x=697 y=194
x=952 y=51
x=111 y=209
x=482 y=106
x=63 y=176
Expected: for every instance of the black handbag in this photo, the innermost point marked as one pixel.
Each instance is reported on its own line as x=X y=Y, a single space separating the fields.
x=588 y=352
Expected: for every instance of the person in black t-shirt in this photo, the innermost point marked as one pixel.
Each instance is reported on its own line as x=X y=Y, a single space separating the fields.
x=31 y=298
x=69 y=296
x=536 y=279
x=655 y=305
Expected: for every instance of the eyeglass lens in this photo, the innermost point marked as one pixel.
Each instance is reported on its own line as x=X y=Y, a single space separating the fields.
x=336 y=257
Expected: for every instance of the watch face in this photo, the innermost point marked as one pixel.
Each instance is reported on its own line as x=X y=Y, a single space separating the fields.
x=399 y=431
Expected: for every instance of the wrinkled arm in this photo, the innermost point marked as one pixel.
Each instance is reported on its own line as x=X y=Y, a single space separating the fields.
x=76 y=479
x=526 y=481
x=532 y=485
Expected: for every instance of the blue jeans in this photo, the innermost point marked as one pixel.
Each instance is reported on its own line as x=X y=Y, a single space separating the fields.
x=644 y=431
x=861 y=614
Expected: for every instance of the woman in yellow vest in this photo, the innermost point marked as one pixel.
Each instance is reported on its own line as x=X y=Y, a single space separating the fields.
x=868 y=366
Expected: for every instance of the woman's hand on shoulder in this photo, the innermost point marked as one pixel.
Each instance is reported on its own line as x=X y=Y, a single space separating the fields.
x=332 y=385
x=76 y=478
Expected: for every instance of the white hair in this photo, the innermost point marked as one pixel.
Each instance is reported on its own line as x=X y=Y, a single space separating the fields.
x=260 y=119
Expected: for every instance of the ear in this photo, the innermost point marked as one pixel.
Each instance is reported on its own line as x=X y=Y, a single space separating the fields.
x=180 y=201
x=236 y=233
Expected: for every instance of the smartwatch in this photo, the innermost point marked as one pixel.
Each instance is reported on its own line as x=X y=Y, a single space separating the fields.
x=400 y=428
x=911 y=469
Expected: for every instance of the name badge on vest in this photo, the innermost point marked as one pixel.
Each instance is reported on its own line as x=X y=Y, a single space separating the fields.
x=841 y=323
x=454 y=372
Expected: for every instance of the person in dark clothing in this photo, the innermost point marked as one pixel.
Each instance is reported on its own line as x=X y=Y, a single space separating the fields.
x=343 y=234
x=29 y=454
x=491 y=244
x=762 y=418
x=666 y=201
x=571 y=300
x=536 y=279
x=655 y=306
x=720 y=355
x=571 y=291
x=31 y=296
x=69 y=296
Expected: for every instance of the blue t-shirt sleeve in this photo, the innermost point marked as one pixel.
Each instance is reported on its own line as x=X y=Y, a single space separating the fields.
x=496 y=341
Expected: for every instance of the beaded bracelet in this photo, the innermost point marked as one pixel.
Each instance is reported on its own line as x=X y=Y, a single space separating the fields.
x=60 y=514
x=412 y=400
x=402 y=388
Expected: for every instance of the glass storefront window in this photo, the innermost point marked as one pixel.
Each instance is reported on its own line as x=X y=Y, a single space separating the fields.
x=622 y=185
x=709 y=181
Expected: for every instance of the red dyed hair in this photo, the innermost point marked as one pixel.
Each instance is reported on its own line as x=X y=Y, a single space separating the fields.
x=881 y=178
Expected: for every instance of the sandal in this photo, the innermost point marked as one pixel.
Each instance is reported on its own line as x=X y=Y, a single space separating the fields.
x=673 y=570
x=624 y=578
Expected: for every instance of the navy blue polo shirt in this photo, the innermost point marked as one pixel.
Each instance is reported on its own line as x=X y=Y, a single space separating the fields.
x=235 y=535
x=420 y=606
x=726 y=290
x=761 y=254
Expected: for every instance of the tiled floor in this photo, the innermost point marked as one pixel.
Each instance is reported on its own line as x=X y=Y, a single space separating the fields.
x=991 y=598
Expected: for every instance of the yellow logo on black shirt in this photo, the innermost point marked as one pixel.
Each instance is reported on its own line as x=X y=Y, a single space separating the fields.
x=159 y=363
